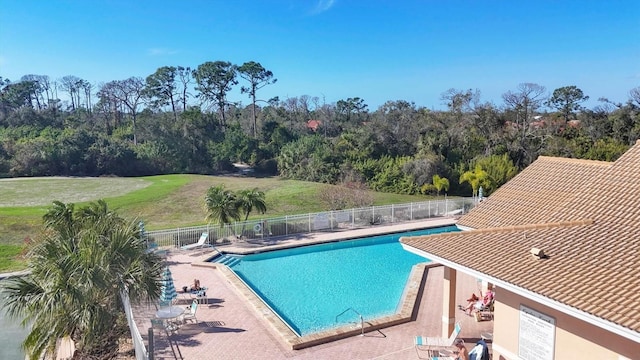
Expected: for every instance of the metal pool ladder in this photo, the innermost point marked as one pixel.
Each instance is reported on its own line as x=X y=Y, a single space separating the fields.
x=361 y=319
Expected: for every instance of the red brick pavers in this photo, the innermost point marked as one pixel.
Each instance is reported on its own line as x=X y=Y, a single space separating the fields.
x=228 y=327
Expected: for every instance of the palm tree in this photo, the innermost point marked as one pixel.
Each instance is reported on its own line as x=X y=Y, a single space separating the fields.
x=475 y=178
x=78 y=267
x=440 y=183
x=60 y=218
x=221 y=205
x=247 y=200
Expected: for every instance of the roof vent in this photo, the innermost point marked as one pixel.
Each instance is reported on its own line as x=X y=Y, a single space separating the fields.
x=538 y=253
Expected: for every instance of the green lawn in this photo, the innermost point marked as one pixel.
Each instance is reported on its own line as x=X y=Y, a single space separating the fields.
x=164 y=201
x=11 y=258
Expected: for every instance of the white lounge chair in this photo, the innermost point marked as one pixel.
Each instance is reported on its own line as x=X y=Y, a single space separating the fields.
x=190 y=314
x=202 y=242
x=425 y=343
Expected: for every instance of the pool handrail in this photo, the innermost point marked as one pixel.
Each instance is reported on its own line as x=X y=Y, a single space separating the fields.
x=361 y=319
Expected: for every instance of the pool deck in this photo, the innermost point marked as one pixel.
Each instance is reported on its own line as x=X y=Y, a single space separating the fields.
x=232 y=326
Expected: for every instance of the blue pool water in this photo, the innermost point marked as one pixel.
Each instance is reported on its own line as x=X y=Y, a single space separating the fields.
x=309 y=286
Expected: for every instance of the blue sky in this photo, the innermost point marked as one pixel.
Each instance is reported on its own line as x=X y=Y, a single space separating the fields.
x=334 y=49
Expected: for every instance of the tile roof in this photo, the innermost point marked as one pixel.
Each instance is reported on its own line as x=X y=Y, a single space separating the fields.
x=585 y=215
x=611 y=195
x=534 y=194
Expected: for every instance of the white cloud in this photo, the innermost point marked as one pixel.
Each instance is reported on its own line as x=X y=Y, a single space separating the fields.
x=161 y=51
x=322 y=6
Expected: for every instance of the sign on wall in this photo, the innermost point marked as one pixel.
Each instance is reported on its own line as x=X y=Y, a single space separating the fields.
x=536 y=335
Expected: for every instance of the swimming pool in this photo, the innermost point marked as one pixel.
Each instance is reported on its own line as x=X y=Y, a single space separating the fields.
x=308 y=287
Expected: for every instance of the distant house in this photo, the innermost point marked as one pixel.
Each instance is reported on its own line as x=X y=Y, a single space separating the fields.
x=539 y=123
x=573 y=123
x=560 y=242
x=313 y=125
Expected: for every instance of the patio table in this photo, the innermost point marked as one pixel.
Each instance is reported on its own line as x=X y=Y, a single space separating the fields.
x=169 y=314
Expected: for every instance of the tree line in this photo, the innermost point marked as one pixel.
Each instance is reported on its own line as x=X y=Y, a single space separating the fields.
x=180 y=120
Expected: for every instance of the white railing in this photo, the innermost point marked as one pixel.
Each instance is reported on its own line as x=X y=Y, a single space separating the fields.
x=138 y=343
x=336 y=220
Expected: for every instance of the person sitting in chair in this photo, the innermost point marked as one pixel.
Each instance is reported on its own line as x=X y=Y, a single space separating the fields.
x=198 y=290
x=479 y=304
x=196 y=285
x=473 y=298
x=461 y=351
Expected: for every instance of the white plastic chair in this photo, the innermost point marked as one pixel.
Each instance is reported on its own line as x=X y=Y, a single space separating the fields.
x=190 y=314
x=433 y=343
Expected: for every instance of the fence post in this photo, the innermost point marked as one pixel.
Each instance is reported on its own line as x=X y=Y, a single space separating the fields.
x=373 y=215
x=151 y=345
x=411 y=211
x=331 y=219
x=392 y=214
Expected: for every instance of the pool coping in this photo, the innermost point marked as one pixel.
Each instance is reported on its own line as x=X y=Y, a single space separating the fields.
x=408 y=309
x=261 y=246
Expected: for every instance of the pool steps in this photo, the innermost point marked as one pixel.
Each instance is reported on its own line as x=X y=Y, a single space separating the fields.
x=226 y=260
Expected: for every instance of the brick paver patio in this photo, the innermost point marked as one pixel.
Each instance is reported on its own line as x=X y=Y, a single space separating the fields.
x=228 y=327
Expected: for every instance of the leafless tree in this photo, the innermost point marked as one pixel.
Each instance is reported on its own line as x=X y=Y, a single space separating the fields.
x=184 y=73
x=69 y=84
x=41 y=88
x=126 y=92
x=524 y=104
x=108 y=106
x=634 y=96
x=86 y=88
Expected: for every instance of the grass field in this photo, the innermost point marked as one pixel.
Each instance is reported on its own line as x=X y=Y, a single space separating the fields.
x=164 y=201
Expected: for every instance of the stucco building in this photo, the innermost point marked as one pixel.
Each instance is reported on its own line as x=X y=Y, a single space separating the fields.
x=561 y=244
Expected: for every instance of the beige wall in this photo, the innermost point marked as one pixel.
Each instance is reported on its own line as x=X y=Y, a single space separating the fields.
x=574 y=338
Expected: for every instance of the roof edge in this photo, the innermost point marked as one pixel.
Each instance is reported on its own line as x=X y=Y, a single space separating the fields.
x=515 y=228
x=577 y=161
x=556 y=305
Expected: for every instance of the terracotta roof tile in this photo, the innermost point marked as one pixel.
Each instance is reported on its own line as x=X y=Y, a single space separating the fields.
x=534 y=194
x=585 y=215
